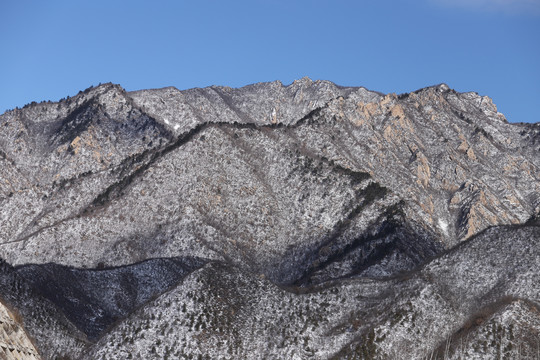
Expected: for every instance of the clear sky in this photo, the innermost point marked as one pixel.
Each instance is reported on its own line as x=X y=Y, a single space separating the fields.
x=51 y=49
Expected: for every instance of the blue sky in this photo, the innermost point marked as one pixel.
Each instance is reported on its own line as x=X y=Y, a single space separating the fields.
x=51 y=49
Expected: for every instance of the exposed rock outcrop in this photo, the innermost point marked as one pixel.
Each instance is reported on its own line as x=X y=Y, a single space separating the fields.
x=14 y=342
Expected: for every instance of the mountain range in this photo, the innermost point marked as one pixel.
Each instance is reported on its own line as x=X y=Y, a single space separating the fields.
x=269 y=222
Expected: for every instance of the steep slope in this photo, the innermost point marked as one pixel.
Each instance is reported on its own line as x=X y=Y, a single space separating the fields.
x=498 y=266
x=189 y=158
x=221 y=312
x=508 y=331
x=289 y=195
x=458 y=175
x=108 y=295
x=14 y=342
x=231 y=188
x=35 y=319
x=72 y=150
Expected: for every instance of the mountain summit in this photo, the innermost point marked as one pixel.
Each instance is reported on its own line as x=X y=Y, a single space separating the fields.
x=270 y=221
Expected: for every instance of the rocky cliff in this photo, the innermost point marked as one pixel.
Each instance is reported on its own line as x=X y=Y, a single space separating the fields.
x=14 y=342
x=299 y=221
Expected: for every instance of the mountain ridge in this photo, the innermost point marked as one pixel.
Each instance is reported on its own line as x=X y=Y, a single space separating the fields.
x=297 y=187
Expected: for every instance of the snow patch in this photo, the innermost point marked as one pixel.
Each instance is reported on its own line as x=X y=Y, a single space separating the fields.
x=444 y=226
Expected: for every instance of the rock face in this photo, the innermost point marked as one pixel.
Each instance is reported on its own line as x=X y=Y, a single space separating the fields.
x=179 y=223
x=14 y=343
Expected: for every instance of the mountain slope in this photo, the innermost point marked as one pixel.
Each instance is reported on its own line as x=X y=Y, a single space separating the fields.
x=220 y=312
x=116 y=205
x=106 y=295
x=14 y=342
x=37 y=320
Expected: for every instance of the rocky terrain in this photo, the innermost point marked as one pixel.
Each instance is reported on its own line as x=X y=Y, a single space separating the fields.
x=14 y=342
x=271 y=221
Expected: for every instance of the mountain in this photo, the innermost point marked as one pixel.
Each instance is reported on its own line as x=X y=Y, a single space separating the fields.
x=271 y=221
x=453 y=304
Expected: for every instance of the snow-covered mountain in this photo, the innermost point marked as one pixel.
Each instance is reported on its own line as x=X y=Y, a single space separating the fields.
x=271 y=221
